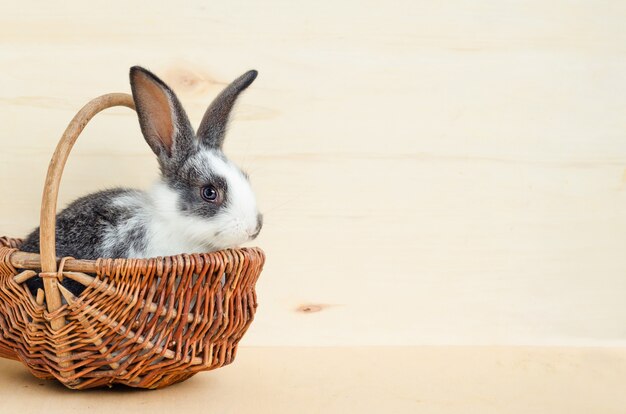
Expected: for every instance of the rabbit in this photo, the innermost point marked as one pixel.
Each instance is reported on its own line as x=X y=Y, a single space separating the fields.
x=202 y=202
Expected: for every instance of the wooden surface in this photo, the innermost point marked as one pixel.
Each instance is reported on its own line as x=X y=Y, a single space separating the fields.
x=430 y=173
x=373 y=380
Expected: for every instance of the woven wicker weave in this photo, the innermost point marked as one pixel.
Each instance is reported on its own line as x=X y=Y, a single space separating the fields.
x=144 y=323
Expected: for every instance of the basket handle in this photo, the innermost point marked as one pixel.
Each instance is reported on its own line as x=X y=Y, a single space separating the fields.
x=47 y=225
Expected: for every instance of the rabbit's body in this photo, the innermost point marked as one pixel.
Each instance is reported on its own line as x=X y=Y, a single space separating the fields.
x=203 y=202
x=85 y=228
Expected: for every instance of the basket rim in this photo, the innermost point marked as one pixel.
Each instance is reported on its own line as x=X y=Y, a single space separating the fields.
x=27 y=260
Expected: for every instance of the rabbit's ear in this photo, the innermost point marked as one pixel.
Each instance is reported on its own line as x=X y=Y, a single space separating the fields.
x=163 y=121
x=213 y=126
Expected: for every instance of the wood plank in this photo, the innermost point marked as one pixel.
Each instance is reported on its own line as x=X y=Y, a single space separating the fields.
x=430 y=173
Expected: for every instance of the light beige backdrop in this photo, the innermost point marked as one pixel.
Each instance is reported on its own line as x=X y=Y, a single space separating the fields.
x=430 y=173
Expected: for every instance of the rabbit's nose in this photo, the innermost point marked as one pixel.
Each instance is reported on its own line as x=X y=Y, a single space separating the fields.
x=259 y=224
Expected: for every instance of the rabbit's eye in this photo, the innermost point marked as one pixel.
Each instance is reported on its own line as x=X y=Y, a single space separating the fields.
x=210 y=194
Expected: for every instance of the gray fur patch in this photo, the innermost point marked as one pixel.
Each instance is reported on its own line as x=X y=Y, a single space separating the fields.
x=191 y=177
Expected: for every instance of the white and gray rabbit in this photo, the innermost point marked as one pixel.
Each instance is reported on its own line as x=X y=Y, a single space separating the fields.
x=201 y=203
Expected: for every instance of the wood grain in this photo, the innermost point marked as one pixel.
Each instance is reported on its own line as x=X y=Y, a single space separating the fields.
x=430 y=173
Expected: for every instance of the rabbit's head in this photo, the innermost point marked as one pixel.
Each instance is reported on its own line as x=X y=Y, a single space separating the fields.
x=203 y=195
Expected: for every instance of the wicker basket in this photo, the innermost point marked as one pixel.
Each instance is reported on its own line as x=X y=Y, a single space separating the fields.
x=145 y=323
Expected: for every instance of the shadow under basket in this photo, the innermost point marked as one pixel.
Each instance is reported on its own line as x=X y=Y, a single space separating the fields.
x=145 y=323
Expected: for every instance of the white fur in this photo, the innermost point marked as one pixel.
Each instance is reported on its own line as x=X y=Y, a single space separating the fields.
x=240 y=218
x=170 y=232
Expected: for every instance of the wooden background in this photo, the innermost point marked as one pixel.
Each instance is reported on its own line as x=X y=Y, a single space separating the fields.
x=430 y=173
